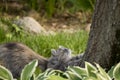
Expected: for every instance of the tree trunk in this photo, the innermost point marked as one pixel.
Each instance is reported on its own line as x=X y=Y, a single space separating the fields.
x=104 y=39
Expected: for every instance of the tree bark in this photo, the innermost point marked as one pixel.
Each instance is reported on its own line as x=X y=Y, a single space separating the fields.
x=104 y=39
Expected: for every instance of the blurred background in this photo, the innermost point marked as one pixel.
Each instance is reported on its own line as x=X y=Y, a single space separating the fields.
x=51 y=14
x=61 y=22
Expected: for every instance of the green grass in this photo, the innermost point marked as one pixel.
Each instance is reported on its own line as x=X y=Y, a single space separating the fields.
x=43 y=44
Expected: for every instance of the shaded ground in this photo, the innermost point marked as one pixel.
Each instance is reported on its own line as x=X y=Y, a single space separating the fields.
x=66 y=21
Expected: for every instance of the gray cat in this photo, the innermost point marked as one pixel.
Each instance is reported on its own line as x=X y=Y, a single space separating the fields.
x=61 y=58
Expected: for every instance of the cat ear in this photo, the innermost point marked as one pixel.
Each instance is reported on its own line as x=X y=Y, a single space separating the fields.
x=53 y=51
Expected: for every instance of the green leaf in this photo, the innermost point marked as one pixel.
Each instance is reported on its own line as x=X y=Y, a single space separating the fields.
x=101 y=77
x=17 y=29
x=5 y=74
x=54 y=77
x=45 y=75
x=110 y=72
x=41 y=77
x=9 y=35
x=37 y=71
x=116 y=72
x=49 y=72
x=90 y=78
x=78 y=71
x=90 y=69
x=103 y=73
x=72 y=76
x=28 y=70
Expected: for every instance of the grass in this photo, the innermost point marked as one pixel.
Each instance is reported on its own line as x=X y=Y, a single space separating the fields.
x=43 y=44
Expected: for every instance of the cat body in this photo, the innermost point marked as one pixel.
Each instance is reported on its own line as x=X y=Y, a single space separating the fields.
x=75 y=60
x=14 y=56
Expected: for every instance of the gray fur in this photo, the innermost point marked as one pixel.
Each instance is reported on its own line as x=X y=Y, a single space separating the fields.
x=59 y=58
x=14 y=56
x=75 y=61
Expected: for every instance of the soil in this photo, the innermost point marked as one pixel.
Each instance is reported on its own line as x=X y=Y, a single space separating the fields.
x=64 y=22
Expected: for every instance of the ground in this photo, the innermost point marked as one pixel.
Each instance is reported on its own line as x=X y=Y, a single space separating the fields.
x=65 y=21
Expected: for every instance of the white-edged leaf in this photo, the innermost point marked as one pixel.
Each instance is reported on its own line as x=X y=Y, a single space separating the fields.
x=100 y=77
x=72 y=76
x=28 y=70
x=78 y=71
x=90 y=78
x=5 y=74
x=40 y=77
x=103 y=73
x=45 y=75
x=116 y=72
x=90 y=69
x=49 y=72
x=110 y=72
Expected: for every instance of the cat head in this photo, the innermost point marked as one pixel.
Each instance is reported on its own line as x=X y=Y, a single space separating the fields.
x=59 y=57
x=61 y=52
